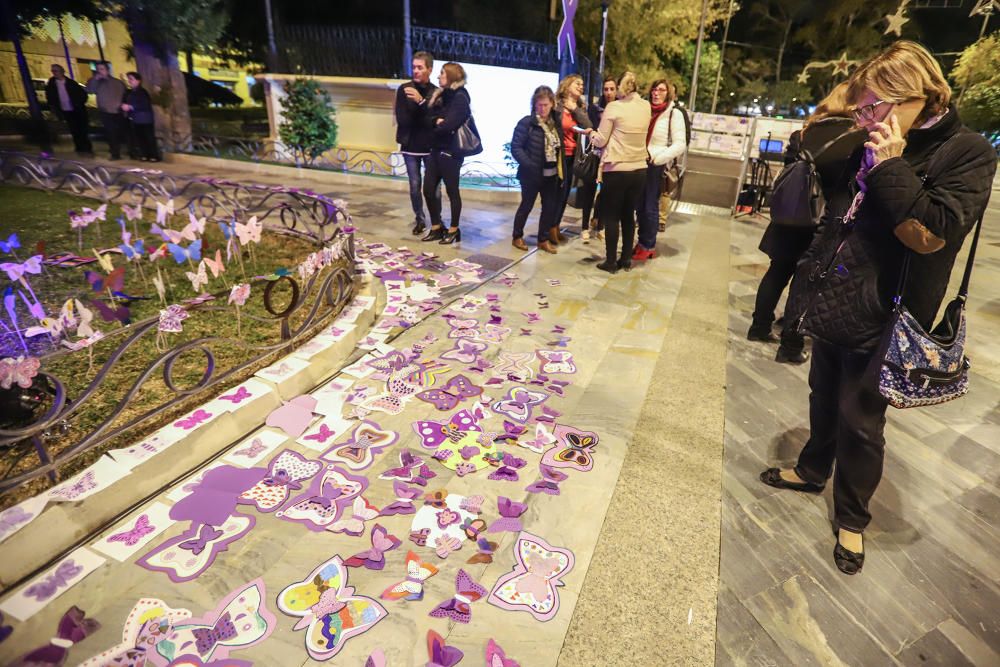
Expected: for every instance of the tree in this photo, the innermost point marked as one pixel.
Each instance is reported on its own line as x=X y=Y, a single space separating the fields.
x=707 y=70
x=644 y=36
x=308 y=128
x=977 y=73
x=779 y=16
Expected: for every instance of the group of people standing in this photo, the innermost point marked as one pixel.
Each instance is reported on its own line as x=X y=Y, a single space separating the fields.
x=126 y=112
x=616 y=153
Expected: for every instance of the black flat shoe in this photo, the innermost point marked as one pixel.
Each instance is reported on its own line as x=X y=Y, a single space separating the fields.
x=451 y=237
x=785 y=355
x=762 y=335
x=772 y=477
x=610 y=267
x=436 y=234
x=847 y=562
x=419 y=228
x=625 y=264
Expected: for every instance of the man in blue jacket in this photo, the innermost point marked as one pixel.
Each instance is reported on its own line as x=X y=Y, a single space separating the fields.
x=414 y=130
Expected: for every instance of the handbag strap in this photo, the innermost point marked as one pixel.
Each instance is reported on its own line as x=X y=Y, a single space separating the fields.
x=963 y=290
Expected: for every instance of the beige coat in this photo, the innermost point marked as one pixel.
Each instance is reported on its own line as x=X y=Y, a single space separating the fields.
x=622 y=134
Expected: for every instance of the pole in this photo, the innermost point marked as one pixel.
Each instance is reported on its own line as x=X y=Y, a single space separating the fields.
x=604 y=36
x=8 y=20
x=97 y=35
x=722 y=57
x=407 y=40
x=697 y=55
x=272 y=45
x=69 y=61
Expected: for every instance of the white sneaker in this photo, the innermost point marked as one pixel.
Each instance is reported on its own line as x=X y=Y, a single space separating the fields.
x=585 y=235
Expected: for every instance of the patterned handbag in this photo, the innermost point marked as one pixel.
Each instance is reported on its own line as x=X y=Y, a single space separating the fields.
x=916 y=368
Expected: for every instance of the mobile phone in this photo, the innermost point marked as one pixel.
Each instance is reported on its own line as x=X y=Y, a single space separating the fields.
x=578 y=129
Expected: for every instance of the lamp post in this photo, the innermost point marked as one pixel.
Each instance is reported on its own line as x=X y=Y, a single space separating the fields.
x=722 y=57
x=604 y=35
x=407 y=41
x=697 y=55
x=272 y=45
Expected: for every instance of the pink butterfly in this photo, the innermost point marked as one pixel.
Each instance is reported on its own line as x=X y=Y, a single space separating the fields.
x=495 y=657
x=549 y=483
x=19 y=371
x=86 y=483
x=463 y=328
x=253 y=450
x=412 y=469
x=240 y=395
x=510 y=513
x=197 y=417
x=459 y=608
x=171 y=318
x=451 y=394
x=361 y=511
x=374 y=558
x=216 y=266
x=14 y=271
x=404 y=500
x=140 y=530
x=465 y=351
x=439 y=653
x=445 y=544
x=556 y=361
x=519 y=403
x=322 y=435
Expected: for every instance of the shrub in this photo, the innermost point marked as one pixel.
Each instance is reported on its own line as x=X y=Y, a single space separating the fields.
x=308 y=128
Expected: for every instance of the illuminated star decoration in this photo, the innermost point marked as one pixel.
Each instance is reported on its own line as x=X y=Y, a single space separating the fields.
x=566 y=33
x=896 y=21
x=840 y=66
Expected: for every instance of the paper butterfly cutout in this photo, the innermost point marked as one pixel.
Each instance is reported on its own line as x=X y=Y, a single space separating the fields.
x=549 y=483
x=20 y=371
x=171 y=318
x=493 y=333
x=329 y=609
x=73 y=628
x=543 y=438
x=236 y=397
x=485 y=550
x=433 y=434
x=495 y=657
x=192 y=552
x=411 y=588
x=361 y=511
x=440 y=654
x=514 y=366
x=374 y=558
x=519 y=403
x=358 y=452
x=87 y=482
x=294 y=416
x=60 y=578
x=463 y=328
x=465 y=351
x=252 y=450
x=533 y=584
x=556 y=361
x=240 y=621
x=404 y=500
x=250 y=232
x=452 y=393
x=412 y=469
x=150 y=622
x=324 y=501
x=198 y=278
x=510 y=513
x=286 y=472
x=390 y=363
x=12 y=518
x=132 y=536
x=399 y=389
x=459 y=607
x=575 y=449
x=15 y=271
x=376 y=659
x=194 y=419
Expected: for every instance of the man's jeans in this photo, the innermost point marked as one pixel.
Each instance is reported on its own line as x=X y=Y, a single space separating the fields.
x=413 y=163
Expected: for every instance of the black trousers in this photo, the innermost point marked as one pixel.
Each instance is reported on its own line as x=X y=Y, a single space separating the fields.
x=619 y=197
x=548 y=188
x=115 y=130
x=442 y=167
x=846 y=424
x=144 y=140
x=774 y=282
x=79 y=127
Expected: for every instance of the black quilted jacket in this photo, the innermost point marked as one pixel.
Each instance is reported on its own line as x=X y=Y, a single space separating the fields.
x=527 y=146
x=843 y=288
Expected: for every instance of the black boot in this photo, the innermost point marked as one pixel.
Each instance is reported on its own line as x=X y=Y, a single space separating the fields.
x=761 y=334
x=608 y=265
x=419 y=227
x=625 y=264
x=789 y=355
x=451 y=237
x=436 y=234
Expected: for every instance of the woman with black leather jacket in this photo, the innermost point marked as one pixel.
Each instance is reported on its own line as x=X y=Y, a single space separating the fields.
x=537 y=145
x=574 y=123
x=922 y=181
x=449 y=107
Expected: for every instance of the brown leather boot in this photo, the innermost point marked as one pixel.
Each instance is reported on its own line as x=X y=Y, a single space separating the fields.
x=547 y=247
x=519 y=244
x=562 y=238
x=554 y=236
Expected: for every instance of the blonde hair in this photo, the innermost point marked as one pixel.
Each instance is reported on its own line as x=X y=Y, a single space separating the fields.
x=904 y=71
x=833 y=105
x=455 y=74
x=562 y=92
x=626 y=84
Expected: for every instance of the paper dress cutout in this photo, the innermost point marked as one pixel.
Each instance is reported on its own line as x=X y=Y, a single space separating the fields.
x=411 y=588
x=459 y=607
x=192 y=552
x=150 y=622
x=519 y=403
x=573 y=449
x=240 y=621
x=286 y=472
x=532 y=585
x=325 y=500
x=358 y=452
x=329 y=609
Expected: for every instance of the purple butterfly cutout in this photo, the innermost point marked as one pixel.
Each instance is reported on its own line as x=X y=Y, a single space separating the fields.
x=241 y=394
x=73 y=628
x=12 y=518
x=46 y=588
x=404 y=500
x=197 y=417
x=468 y=452
x=549 y=483
x=442 y=455
x=465 y=351
x=439 y=653
x=463 y=469
x=253 y=450
x=132 y=536
x=205 y=535
x=86 y=483
x=504 y=474
x=459 y=608
x=510 y=513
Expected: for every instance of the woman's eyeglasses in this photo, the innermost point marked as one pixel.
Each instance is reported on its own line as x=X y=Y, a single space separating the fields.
x=867 y=112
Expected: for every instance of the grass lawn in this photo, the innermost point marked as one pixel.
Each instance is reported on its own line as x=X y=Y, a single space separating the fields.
x=37 y=215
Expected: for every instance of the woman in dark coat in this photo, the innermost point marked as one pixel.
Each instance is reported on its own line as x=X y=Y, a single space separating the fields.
x=138 y=106
x=449 y=107
x=537 y=146
x=922 y=181
x=571 y=112
x=785 y=244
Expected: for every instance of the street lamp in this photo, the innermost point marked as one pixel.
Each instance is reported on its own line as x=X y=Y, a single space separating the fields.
x=604 y=35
